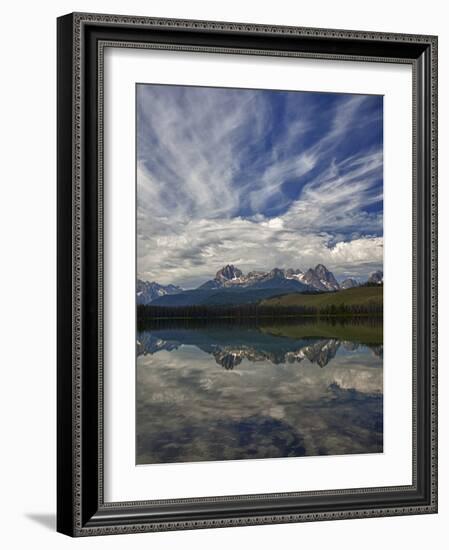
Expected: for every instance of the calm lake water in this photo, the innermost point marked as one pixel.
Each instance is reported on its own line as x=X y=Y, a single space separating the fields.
x=227 y=391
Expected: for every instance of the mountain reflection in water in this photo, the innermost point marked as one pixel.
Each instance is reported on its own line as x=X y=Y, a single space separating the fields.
x=272 y=396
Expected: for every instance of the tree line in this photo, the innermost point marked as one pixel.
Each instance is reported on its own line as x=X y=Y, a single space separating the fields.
x=148 y=312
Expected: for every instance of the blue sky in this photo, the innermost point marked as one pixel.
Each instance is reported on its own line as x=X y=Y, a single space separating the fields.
x=257 y=178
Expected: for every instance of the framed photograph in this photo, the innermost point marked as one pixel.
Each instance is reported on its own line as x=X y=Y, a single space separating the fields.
x=247 y=278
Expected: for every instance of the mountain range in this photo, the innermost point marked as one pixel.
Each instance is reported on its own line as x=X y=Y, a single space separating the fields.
x=230 y=276
x=231 y=286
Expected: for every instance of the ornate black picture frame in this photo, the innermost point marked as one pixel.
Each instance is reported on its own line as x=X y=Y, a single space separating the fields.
x=81 y=510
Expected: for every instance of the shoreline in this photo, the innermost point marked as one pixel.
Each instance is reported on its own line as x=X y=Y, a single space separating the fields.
x=287 y=316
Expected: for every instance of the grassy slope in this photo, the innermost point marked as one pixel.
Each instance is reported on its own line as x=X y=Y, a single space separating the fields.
x=351 y=296
x=363 y=333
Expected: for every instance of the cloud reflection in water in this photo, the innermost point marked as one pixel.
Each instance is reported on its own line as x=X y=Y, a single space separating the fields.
x=223 y=394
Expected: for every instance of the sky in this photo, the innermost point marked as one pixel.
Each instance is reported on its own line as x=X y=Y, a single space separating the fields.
x=259 y=179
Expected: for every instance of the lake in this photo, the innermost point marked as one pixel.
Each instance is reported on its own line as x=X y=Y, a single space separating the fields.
x=224 y=390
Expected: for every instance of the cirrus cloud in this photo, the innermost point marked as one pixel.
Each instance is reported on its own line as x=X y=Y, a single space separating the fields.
x=259 y=179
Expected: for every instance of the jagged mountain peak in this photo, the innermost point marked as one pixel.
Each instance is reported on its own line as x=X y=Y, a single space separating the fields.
x=376 y=277
x=348 y=283
x=276 y=272
x=321 y=278
x=147 y=291
x=228 y=273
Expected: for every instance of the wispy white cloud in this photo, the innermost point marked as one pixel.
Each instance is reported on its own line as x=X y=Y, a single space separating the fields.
x=212 y=166
x=190 y=253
